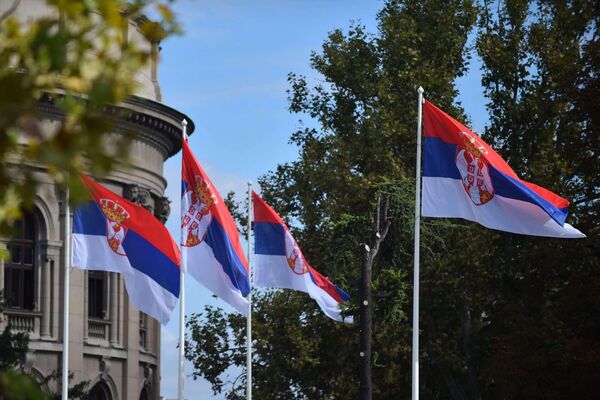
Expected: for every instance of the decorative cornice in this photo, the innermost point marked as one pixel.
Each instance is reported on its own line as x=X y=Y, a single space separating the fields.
x=157 y=124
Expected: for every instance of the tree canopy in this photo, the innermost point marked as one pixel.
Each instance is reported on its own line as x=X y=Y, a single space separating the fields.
x=502 y=315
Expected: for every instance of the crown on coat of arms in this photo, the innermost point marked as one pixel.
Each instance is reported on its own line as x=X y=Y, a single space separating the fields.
x=473 y=145
x=113 y=210
x=204 y=192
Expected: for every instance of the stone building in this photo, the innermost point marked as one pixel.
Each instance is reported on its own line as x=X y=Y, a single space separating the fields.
x=112 y=345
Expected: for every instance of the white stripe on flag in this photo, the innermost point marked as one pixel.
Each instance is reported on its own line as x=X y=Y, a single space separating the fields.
x=272 y=271
x=446 y=197
x=209 y=272
x=92 y=252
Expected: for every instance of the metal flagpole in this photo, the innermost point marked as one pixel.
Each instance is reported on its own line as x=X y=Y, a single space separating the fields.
x=415 y=337
x=182 y=267
x=249 y=318
x=67 y=271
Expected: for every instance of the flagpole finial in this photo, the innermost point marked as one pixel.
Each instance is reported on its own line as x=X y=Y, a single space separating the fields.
x=184 y=124
x=420 y=90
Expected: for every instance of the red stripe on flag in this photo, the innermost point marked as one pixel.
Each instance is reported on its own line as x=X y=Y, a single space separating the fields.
x=191 y=169
x=325 y=284
x=438 y=124
x=263 y=212
x=140 y=220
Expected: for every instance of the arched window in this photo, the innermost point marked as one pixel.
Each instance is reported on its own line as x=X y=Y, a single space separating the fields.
x=144 y=394
x=99 y=392
x=19 y=278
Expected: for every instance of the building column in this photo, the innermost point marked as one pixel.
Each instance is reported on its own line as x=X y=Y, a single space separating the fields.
x=46 y=293
x=114 y=308
x=131 y=319
x=86 y=299
x=53 y=249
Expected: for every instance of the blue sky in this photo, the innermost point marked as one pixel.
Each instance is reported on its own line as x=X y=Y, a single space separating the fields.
x=228 y=72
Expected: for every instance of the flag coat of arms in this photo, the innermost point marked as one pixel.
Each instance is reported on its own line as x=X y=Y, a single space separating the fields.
x=211 y=249
x=279 y=262
x=464 y=177
x=116 y=235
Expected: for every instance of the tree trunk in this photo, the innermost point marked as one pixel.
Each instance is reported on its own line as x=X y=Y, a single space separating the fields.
x=472 y=367
x=366 y=306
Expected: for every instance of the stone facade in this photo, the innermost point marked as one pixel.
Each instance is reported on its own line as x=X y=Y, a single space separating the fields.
x=112 y=345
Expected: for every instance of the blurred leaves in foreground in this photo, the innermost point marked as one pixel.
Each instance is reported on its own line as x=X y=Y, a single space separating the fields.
x=76 y=59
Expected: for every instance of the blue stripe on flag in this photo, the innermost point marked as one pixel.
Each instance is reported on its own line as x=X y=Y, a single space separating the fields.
x=269 y=239
x=152 y=262
x=343 y=294
x=507 y=186
x=184 y=187
x=88 y=219
x=439 y=161
x=217 y=239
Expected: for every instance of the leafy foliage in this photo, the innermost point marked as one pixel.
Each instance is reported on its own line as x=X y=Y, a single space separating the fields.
x=16 y=385
x=240 y=216
x=13 y=345
x=502 y=315
x=540 y=69
x=77 y=60
x=365 y=108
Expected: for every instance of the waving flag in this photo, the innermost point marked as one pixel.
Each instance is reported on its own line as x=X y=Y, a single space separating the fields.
x=211 y=249
x=279 y=262
x=113 y=234
x=463 y=177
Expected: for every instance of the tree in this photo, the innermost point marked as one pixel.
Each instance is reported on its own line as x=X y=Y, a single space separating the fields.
x=13 y=384
x=75 y=59
x=495 y=307
x=541 y=73
x=363 y=148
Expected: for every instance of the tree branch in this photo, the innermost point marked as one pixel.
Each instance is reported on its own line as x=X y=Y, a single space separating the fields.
x=381 y=234
x=11 y=10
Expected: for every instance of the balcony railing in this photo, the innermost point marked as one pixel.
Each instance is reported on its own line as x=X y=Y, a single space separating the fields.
x=24 y=321
x=99 y=329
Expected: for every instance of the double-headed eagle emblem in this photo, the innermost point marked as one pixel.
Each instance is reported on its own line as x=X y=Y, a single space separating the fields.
x=474 y=169
x=294 y=256
x=115 y=215
x=197 y=218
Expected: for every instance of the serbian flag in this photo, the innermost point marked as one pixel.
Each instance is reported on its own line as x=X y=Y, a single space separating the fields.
x=116 y=235
x=210 y=247
x=463 y=177
x=279 y=262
